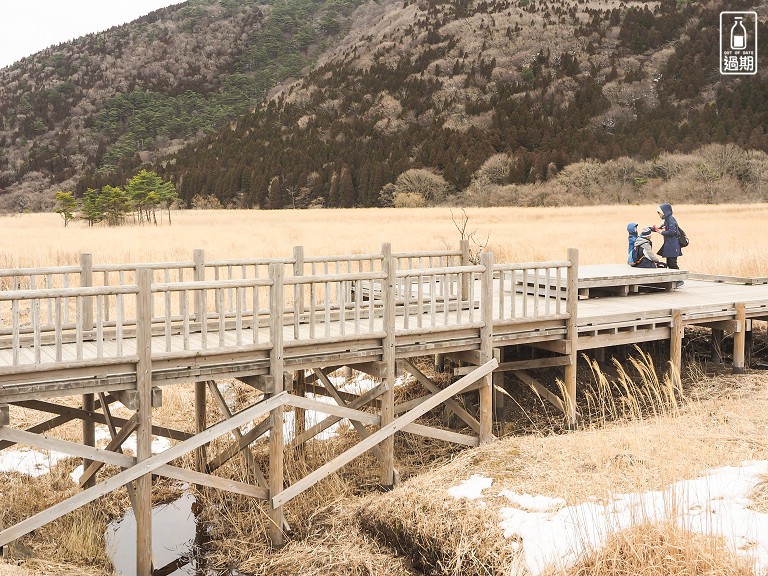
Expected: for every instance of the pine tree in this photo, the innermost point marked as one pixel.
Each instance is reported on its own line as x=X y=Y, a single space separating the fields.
x=276 y=193
x=347 y=194
x=65 y=206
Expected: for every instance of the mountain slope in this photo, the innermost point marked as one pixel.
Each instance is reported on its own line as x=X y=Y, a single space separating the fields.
x=445 y=85
x=107 y=102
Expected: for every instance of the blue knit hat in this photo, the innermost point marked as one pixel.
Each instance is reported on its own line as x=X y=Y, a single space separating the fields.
x=646 y=231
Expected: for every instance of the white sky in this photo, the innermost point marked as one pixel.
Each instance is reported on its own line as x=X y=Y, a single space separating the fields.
x=28 y=26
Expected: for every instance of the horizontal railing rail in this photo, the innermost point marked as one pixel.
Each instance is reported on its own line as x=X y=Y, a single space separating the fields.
x=195 y=307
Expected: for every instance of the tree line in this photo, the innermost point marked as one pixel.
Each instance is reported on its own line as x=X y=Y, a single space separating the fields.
x=142 y=196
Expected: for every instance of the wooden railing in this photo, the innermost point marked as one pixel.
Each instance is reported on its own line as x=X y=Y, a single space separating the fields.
x=214 y=306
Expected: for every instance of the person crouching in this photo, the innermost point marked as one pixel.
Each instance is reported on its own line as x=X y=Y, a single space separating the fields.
x=644 y=257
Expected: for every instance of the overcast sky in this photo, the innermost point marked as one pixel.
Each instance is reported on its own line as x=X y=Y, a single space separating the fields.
x=28 y=26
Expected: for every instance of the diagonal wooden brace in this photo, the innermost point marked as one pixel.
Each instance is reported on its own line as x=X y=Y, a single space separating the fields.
x=384 y=432
x=136 y=471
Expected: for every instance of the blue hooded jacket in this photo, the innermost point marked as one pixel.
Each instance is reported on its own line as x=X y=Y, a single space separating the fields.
x=632 y=230
x=671 y=247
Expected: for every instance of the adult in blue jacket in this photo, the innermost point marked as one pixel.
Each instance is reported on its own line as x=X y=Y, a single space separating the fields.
x=671 y=249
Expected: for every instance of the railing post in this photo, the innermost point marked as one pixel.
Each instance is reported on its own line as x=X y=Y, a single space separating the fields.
x=465 y=261
x=86 y=323
x=86 y=279
x=144 y=413
x=739 y=339
x=201 y=393
x=387 y=446
x=676 y=343
x=298 y=290
x=572 y=337
x=276 y=440
x=486 y=348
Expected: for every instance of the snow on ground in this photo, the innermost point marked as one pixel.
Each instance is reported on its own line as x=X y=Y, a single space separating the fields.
x=38 y=462
x=553 y=534
x=471 y=489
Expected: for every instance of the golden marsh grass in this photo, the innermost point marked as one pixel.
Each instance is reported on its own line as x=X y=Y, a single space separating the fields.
x=724 y=238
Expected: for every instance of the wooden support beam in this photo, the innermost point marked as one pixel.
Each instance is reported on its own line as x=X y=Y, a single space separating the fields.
x=739 y=340
x=145 y=467
x=114 y=434
x=468 y=356
x=359 y=428
x=43 y=442
x=716 y=346
x=69 y=413
x=486 y=349
x=556 y=346
x=748 y=344
x=498 y=387
x=387 y=476
x=321 y=391
x=143 y=487
x=572 y=337
x=250 y=461
x=439 y=362
x=454 y=406
x=521 y=365
x=676 y=343
x=37 y=428
x=374 y=369
x=439 y=434
x=722 y=325
x=276 y=367
x=130 y=398
x=236 y=447
x=299 y=414
x=89 y=432
x=358 y=402
x=541 y=390
x=385 y=431
x=263 y=382
x=114 y=445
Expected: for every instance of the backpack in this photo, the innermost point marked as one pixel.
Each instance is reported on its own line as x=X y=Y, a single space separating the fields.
x=682 y=237
x=637 y=255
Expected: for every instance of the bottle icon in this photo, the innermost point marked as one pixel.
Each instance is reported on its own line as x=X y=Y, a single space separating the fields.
x=738 y=35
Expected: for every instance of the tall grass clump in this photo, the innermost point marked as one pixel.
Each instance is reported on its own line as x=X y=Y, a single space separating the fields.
x=626 y=395
x=661 y=549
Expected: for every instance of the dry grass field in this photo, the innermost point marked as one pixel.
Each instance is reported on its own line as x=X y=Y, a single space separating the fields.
x=725 y=239
x=341 y=526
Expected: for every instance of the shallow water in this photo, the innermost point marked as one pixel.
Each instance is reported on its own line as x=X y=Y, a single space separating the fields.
x=174 y=532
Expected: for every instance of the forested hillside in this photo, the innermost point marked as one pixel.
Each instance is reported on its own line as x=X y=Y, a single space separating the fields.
x=446 y=85
x=105 y=103
x=427 y=92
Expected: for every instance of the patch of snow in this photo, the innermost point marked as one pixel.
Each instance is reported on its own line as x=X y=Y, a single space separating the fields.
x=30 y=462
x=471 y=489
x=713 y=504
x=532 y=503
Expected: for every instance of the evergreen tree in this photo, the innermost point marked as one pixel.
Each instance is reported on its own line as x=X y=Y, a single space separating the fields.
x=347 y=196
x=92 y=207
x=65 y=206
x=276 y=193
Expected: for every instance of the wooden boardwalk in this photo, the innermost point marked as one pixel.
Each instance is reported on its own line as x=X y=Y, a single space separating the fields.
x=110 y=333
